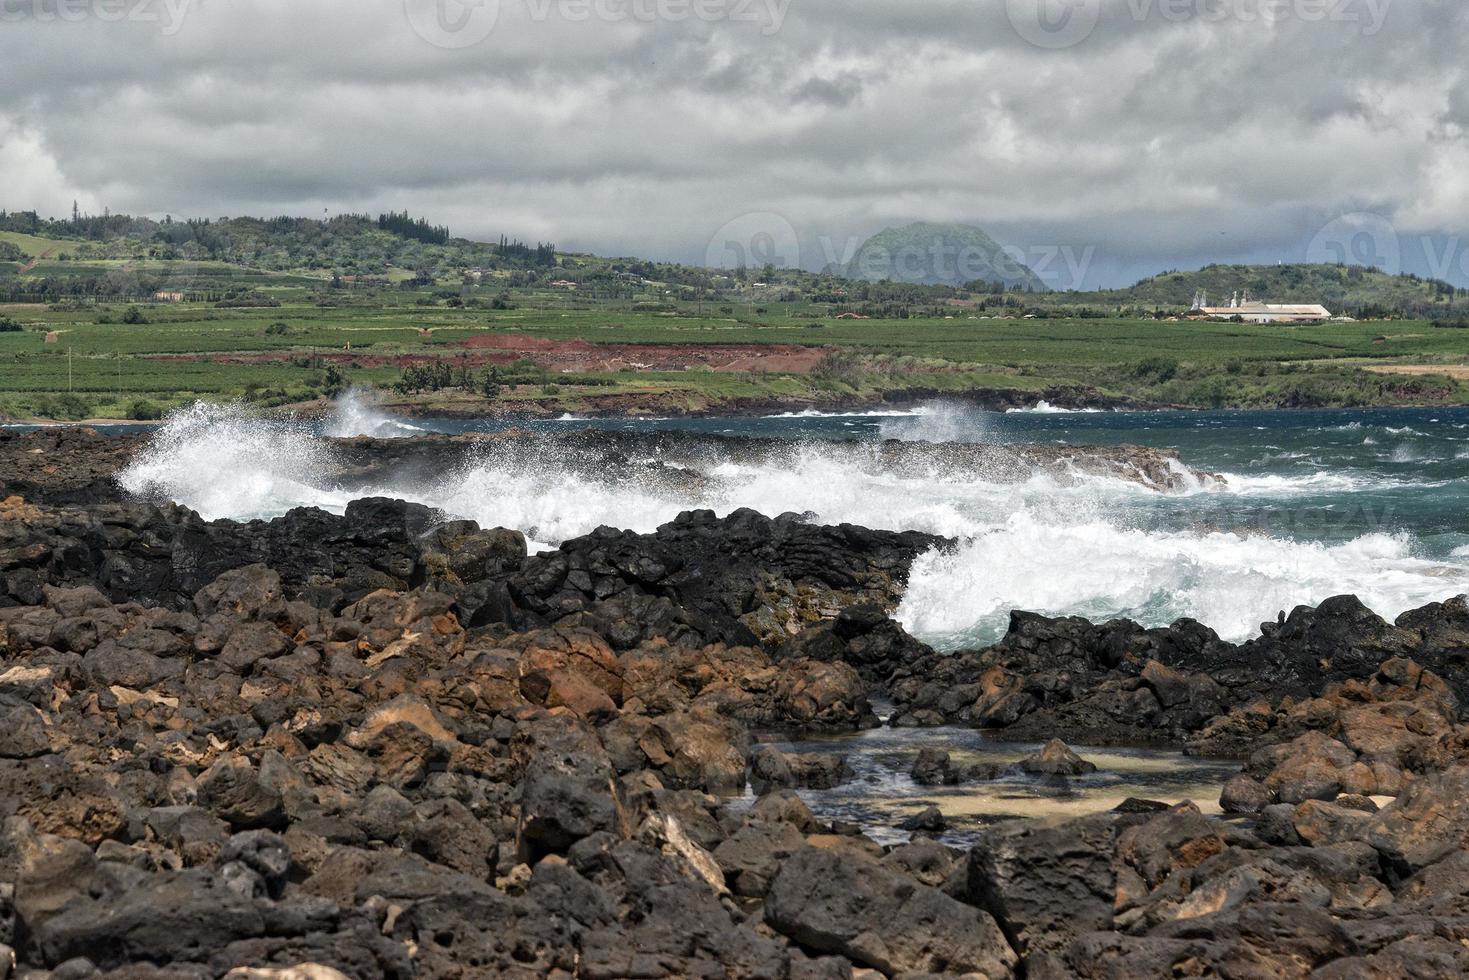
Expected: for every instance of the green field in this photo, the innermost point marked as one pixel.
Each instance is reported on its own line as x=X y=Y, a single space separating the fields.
x=187 y=351
x=289 y=339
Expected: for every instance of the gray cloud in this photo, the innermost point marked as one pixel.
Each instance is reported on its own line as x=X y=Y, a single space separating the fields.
x=1154 y=140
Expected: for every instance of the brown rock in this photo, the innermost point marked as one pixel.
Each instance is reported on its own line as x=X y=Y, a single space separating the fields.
x=1057 y=759
x=1310 y=768
x=232 y=790
x=1427 y=823
x=1243 y=794
x=1180 y=839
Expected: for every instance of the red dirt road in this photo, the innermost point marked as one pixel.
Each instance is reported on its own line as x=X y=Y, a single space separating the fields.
x=569 y=356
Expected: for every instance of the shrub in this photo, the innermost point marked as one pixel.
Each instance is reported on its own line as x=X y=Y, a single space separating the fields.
x=133 y=315
x=1156 y=369
x=8 y=325
x=143 y=410
x=278 y=329
x=65 y=407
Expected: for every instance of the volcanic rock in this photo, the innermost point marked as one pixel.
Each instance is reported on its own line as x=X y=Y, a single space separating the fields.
x=881 y=918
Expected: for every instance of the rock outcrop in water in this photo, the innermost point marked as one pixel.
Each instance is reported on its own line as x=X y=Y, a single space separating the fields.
x=386 y=745
x=78 y=466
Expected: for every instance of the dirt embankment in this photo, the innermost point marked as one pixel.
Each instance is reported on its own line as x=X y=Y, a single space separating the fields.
x=1459 y=372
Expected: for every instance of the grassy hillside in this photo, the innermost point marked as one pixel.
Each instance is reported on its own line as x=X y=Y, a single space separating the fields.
x=1350 y=289
x=35 y=246
x=951 y=265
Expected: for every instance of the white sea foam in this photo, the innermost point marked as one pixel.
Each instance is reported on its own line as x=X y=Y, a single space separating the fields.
x=1046 y=408
x=1321 y=482
x=875 y=413
x=1406 y=453
x=223 y=462
x=1229 y=581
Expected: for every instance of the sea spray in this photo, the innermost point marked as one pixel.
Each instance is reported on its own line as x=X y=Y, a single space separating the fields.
x=943 y=421
x=354 y=414
x=222 y=461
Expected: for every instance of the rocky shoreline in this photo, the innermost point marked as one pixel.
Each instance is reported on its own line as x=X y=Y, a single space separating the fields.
x=386 y=744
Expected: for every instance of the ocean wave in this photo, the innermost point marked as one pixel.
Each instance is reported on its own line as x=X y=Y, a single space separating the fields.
x=224 y=462
x=1098 y=570
x=875 y=413
x=1406 y=453
x=1046 y=408
x=1318 y=483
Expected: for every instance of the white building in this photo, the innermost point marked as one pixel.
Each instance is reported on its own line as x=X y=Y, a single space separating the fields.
x=1252 y=311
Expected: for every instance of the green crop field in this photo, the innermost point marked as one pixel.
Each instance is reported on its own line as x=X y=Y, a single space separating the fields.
x=102 y=347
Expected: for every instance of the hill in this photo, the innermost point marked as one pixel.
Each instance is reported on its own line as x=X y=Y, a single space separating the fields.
x=15 y=246
x=931 y=254
x=919 y=270
x=1353 y=290
x=348 y=244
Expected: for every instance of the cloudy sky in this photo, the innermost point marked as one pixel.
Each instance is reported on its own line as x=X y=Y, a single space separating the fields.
x=1104 y=139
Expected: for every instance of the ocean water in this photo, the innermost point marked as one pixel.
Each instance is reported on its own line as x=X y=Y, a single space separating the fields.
x=1313 y=503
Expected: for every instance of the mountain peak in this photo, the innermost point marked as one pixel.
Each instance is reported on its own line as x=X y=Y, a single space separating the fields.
x=937 y=253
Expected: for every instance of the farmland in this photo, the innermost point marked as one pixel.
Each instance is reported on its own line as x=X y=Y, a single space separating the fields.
x=555 y=353
x=287 y=312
